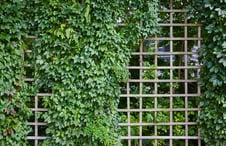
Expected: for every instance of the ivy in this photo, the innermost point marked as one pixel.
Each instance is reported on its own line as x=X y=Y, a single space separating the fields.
x=81 y=55
x=212 y=118
x=14 y=112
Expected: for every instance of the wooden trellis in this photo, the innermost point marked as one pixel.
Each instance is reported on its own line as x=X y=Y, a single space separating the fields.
x=183 y=72
x=163 y=56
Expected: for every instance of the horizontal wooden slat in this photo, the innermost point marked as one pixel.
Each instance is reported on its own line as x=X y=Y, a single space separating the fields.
x=163 y=53
x=175 y=39
x=181 y=24
x=163 y=67
x=160 y=137
x=37 y=137
x=158 y=124
x=159 y=81
x=36 y=123
x=158 y=110
x=159 y=95
x=39 y=109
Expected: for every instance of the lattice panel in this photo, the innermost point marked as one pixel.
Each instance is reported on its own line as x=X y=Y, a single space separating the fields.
x=159 y=104
x=36 y=122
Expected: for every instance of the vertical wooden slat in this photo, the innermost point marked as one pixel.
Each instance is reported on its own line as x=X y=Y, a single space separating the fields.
x=186 y=77
x=171 y=71
x=36 y=121
x=140 y=90
x=199 y=88
x=128 y=113
x=156 y=91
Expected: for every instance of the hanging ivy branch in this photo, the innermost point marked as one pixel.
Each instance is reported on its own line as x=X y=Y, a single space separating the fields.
x=13 y=91
x=212 y=119
x=81 y=55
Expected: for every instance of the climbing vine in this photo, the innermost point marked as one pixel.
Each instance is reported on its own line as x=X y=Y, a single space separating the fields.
x=14 y=112
x=81 y=56
x=212 y=119
x=81 y=52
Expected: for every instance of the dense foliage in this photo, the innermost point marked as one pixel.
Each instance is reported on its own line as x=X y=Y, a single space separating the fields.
x=13 y=91
x=81 y=56
x=212 y=120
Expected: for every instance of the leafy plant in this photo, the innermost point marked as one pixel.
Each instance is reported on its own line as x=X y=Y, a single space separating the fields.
x=81 y=55
x=212 y=120
x=14 y=112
